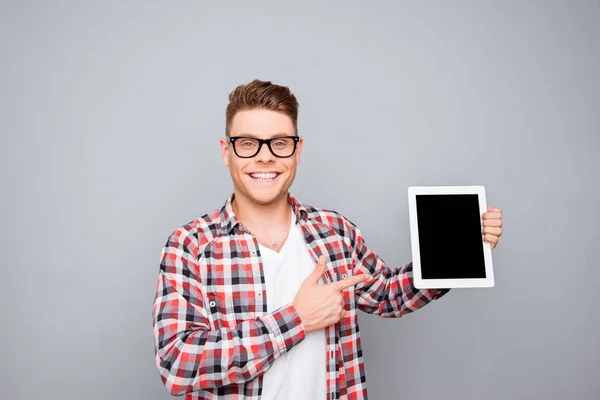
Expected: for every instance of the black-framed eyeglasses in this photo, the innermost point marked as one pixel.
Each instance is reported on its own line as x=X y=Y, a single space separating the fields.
x=248 y=147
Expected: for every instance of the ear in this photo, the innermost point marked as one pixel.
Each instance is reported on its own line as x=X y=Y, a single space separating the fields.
x=299 y=150
x=224 y=151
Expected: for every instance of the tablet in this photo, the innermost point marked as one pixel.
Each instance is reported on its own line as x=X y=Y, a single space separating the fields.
x=447 y=244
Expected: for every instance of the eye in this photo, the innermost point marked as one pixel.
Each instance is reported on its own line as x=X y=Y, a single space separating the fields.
x=247 y=143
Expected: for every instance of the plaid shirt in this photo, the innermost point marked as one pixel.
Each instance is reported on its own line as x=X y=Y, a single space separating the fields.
x=213 y=336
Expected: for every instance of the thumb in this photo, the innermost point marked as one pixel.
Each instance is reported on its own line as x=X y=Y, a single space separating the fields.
x=319 y=270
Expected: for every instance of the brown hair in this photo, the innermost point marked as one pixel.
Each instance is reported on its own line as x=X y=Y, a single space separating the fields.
x=265 y=95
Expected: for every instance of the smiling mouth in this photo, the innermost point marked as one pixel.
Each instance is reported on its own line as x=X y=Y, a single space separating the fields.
x=264 y=177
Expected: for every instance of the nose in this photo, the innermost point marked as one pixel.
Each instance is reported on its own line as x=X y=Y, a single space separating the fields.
x=265 y=155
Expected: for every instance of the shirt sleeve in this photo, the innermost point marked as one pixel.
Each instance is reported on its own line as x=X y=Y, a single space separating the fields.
x=190 y=355
x=390 y=292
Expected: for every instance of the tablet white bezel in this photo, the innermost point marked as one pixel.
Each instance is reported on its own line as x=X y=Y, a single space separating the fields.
x=418 y=281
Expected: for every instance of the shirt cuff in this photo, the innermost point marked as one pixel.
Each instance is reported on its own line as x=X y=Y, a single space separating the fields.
x=439 y=293
x=286 y=327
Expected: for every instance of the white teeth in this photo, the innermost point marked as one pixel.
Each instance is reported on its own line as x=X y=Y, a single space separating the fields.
x=263 y=176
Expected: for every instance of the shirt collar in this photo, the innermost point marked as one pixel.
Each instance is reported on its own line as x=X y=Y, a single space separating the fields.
x=229 y=219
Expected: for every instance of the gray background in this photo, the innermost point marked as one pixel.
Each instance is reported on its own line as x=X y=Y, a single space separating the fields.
x=110 y=118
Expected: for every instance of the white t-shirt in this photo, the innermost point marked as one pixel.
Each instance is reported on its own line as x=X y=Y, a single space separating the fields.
x=300 y=373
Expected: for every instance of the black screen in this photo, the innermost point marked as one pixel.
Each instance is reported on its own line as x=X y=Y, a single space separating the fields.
x=450 y=239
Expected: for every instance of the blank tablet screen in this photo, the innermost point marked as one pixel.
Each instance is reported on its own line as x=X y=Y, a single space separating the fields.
x=450 y=238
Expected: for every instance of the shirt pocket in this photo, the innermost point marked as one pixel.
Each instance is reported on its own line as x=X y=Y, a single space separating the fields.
x=239 y=307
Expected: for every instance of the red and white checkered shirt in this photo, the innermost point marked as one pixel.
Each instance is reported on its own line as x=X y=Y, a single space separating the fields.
x=212 y=333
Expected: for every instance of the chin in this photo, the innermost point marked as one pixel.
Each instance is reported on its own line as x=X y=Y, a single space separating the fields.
x=265 y=198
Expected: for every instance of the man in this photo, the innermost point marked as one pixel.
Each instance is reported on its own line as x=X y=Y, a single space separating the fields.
x=259 y=298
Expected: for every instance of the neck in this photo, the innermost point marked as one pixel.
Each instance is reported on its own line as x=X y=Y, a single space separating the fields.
x=262 y=218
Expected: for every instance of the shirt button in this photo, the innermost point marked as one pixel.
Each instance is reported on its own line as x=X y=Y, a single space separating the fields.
x=344 y=276
x=259 y=294
x=253 y=252
x=213 y=303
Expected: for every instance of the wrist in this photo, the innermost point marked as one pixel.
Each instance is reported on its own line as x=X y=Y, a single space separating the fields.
x=301 y=315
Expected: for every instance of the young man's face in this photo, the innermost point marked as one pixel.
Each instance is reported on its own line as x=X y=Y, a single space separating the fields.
x=262 y=124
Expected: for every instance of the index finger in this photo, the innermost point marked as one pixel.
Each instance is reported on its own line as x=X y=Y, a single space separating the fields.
x=351 y=281
x=492 y=215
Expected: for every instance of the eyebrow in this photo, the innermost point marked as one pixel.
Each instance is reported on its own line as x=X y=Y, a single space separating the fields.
x=250 y=135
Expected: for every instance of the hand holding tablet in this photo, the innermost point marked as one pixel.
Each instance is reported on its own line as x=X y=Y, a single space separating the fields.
x=448 y=247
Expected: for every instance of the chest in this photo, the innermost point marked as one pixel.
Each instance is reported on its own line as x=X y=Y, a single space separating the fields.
x=274 y=243
x=234 y=282
x=285 y=271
